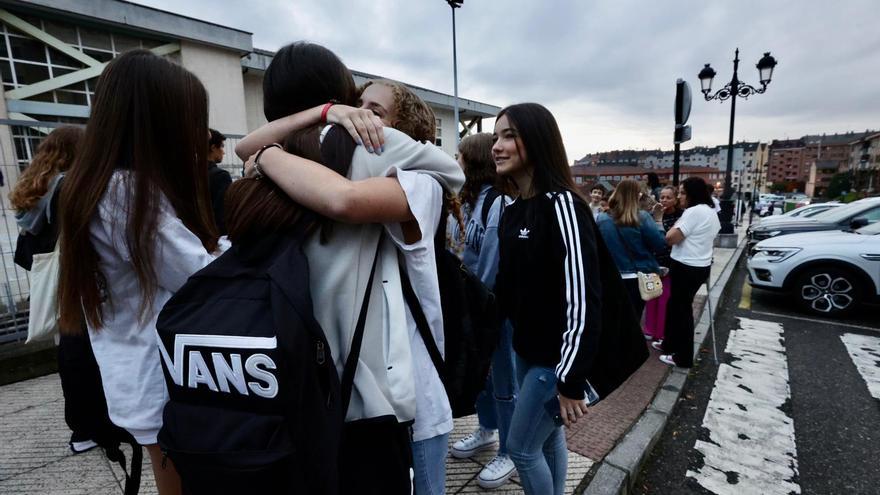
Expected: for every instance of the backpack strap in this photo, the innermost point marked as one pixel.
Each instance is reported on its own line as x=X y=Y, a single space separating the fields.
x=415 y=308
x=357 y=339
x=133 y=476
x=488 y=201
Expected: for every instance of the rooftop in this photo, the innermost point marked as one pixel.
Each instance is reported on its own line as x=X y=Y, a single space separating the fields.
x=135 y=18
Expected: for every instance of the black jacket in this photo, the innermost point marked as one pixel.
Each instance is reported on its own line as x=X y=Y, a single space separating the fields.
x=561 y=290
x=218 y=182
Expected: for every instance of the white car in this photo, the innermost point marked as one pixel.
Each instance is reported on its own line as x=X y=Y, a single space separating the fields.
x=803 y=212
x=829 y=273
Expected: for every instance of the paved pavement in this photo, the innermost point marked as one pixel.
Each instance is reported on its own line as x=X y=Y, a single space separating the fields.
x=35 y=458
x=793 y=407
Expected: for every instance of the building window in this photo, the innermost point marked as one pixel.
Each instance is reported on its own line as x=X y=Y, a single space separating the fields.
x=438 y=138
x=25 y=61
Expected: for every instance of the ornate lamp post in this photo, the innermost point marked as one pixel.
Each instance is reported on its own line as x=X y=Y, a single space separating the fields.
x=454 y=4
x=735 y=88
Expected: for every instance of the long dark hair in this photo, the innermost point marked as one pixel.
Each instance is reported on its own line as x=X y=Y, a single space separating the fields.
x=149 y=116
x=55 y=154
x=697 y=192
x=303 y=75
x=543 y=148
x=256 y=208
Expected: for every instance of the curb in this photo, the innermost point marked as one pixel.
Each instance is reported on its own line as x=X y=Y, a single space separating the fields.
x=619 y=469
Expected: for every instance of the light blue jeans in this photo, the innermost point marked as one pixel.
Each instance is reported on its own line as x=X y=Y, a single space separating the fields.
x=495 y=404
x=535 y=444
x=429 y=465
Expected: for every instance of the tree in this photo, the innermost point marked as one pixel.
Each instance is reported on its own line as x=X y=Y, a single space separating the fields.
x=840 y=183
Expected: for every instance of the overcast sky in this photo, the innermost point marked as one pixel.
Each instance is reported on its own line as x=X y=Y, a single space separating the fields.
x=605 y=68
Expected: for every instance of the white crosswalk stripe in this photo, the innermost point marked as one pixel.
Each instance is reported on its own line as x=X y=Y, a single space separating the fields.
x=864 y=350
x=751 y=447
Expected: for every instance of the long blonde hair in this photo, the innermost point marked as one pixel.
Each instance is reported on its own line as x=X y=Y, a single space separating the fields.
x=624 y=203
x=54 y=155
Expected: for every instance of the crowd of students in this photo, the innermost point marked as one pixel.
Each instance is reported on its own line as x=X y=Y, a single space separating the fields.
x=141 y=209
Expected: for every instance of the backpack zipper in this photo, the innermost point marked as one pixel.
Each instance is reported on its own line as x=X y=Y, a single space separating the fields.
x=320 y=352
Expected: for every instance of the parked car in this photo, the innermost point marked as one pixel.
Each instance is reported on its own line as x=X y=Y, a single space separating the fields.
x=829 y=273
x=851 y=216
x=801 y=213
x=762 y=206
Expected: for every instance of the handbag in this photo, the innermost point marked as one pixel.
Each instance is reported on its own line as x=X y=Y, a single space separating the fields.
x=43 y=321
x=650 y=285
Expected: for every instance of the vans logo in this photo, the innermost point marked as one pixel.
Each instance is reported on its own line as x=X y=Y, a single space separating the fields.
x=523 y=233
x=254 y=375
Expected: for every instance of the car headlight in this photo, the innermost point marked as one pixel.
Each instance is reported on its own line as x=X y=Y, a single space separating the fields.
x=776 y=255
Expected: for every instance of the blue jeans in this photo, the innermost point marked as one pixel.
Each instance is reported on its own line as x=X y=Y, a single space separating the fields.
x=495 y=404
x=536 y=445
x=429 y=465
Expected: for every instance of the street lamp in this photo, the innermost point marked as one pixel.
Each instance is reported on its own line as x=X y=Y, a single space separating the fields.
x=735 y=88
x=454 y=4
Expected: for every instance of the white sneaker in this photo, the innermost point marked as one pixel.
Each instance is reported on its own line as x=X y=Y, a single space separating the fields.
x=477 y=441
x=496 y=473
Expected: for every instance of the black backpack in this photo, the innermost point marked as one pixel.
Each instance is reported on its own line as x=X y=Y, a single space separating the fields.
x=471 y=326
x=254 y=395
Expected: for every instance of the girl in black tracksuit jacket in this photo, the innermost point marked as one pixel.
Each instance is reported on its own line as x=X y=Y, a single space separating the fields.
x=575 y=334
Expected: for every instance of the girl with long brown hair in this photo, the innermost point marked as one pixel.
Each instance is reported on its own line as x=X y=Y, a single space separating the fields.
x=558 y=286
x=135 y=223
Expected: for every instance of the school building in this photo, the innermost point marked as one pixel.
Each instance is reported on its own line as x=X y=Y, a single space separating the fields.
x=52 y=52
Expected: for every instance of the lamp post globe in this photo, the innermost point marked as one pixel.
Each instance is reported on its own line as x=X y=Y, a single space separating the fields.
x=706 y=75
x=765 y=68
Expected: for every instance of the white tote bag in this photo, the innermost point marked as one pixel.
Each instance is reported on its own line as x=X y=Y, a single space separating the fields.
x=43 y=322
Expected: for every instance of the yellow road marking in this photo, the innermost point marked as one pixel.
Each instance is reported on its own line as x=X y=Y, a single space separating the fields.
x=745 y=301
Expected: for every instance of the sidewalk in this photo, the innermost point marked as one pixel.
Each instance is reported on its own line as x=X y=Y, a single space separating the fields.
x=35 y=458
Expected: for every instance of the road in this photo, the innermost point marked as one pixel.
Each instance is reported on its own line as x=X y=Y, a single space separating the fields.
x=794 y=406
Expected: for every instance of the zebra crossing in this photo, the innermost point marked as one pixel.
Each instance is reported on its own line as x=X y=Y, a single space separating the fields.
x=748 y=442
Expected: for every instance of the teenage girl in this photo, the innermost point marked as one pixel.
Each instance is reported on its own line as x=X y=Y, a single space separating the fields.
x=135 y=224
x=394 y=184
x=548 y=285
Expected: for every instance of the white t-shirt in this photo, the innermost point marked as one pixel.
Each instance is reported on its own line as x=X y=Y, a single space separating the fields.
x=425 y=197
x=700 y=225
x=126 y=349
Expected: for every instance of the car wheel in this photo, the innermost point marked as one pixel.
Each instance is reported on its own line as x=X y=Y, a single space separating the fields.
x=828 y=291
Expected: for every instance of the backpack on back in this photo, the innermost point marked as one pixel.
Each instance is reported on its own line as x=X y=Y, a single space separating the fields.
x=471 y=326
x=254 y=395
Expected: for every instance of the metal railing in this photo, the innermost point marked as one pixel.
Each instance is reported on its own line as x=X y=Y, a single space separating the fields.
x=18 y=143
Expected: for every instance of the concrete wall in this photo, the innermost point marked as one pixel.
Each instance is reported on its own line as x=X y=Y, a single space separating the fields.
x=253 y=100
x=220 y=72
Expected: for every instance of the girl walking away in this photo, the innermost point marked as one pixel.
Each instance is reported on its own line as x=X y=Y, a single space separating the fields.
x=390 y=196
x=655 y=309
x=135 y=224
x=35 y=199
x=482 y=201
x=691 y=239
x=575 y=336
x=632 y=237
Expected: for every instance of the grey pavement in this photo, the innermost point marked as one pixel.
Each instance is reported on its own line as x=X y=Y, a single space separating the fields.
x=35 y=458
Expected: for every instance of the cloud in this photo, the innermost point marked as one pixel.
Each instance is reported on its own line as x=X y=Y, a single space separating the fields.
x=606 y=68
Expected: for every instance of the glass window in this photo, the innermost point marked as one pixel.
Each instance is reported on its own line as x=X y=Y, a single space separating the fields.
x=30 y=73
x=59 y=58
x=124 y=43
x=47 y=97
x=63 y=32
x=60 y=71
x=71 y=97
x=5 y=72
x=28 y=49
x=95 y=39
x=99 y=55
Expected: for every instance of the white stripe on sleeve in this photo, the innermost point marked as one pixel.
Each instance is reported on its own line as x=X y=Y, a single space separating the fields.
x=575 y=284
